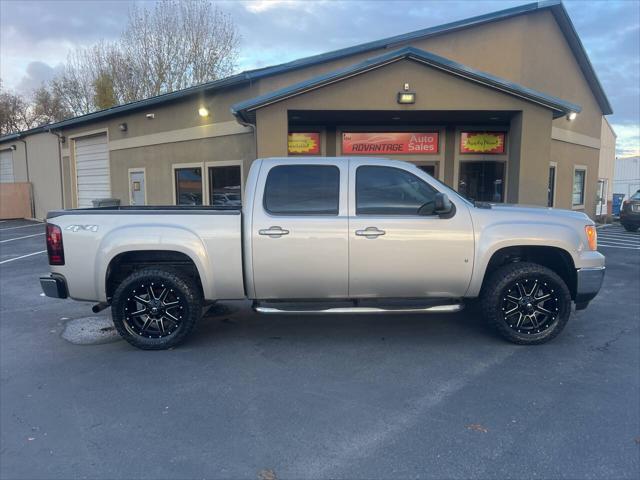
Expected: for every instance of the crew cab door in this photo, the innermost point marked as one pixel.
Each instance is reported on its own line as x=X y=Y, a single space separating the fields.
x=299 y=233
x=394 y=251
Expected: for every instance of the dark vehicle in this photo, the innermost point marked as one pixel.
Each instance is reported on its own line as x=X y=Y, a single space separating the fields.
x=630 y=213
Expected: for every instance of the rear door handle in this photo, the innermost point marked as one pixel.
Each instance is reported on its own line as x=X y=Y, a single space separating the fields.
x=370 y=232
x=273 y=232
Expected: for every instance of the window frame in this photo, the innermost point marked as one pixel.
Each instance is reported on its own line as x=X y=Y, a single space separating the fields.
x=392 y=215
x=226 y=163
x=579 y=168
x=299 y=214
x=180 y=166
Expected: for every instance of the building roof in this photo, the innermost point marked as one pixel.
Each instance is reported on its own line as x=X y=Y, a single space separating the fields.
x=245 y=109
x=554 y=6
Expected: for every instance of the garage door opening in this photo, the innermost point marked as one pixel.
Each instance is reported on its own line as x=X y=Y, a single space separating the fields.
x=92 y=169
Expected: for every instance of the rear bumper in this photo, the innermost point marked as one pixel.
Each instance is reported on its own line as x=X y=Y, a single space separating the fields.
x=589 y=281
x=54 y=285
x=630 y=218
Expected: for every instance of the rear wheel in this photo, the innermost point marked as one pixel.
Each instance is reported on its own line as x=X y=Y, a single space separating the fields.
x=526 y=303
x=155 y=309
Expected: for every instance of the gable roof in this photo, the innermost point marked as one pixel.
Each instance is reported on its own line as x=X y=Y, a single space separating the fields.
x=245 y=109
x=554 y=6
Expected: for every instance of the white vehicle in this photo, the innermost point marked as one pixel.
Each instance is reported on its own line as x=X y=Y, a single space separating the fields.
x=327 y=235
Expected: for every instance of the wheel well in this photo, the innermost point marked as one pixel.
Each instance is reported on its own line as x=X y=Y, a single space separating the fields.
x=124 y=264
x=555 y=259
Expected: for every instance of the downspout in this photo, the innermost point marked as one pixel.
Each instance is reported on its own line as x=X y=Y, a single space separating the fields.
x=26 y=161
x=60 y=140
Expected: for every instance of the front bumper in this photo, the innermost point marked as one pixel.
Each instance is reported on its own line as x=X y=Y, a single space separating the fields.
x=589 y=281
x=54 y=285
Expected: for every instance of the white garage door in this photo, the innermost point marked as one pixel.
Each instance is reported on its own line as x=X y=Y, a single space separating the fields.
x=92 y=169
x=6 y=166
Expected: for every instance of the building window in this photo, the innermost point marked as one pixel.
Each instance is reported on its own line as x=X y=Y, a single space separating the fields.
x=225 y=186
x=482 y=181
x=579 y=176
x=551 y=191
x=188 y=186
x=302 y=190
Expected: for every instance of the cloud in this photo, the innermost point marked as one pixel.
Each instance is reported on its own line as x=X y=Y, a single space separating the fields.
x=628 y=142
x=37 y=74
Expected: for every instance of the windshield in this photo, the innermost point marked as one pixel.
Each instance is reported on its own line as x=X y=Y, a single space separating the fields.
x=636 y=196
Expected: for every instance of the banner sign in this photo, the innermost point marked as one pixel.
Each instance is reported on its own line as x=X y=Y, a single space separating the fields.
x=395 y=143
x=304 y=143
x=482 y=142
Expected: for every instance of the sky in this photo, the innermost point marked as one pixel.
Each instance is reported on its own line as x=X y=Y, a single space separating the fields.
x=36 y=36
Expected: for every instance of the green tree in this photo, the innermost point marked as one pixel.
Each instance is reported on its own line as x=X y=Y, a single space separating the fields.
x=104 y=93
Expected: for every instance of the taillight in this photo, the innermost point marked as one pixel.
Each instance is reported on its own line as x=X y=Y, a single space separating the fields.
x=54 y=245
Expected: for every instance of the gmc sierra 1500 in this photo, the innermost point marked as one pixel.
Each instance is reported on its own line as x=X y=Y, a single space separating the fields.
x=327 y=235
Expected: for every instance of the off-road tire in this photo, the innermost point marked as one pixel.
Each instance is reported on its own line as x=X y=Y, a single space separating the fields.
x=188 y=311
x=630 y=228
x=496 y=302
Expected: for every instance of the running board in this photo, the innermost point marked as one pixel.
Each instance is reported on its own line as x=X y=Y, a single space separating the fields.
x=451 y=308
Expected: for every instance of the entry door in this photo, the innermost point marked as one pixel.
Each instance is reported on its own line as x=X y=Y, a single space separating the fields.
x=601 y=208
x=300 y=248
x=393 y=251
x=137 y=187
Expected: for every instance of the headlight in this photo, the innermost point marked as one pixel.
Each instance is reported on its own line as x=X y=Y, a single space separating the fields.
x=592 y=236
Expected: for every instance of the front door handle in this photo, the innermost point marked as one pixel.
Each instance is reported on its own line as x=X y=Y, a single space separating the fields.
x=370 y=232
x=274 y=232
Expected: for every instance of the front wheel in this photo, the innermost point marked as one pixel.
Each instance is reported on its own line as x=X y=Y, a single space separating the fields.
x=155 y=309
x=526 y=303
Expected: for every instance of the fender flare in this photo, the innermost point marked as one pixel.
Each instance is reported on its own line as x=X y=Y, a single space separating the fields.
x=158 y=237
x=501 y=235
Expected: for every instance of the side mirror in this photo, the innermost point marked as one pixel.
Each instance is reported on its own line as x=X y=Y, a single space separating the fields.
x=443 y=205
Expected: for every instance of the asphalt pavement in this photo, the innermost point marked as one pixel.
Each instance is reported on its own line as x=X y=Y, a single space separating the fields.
x=382 y=396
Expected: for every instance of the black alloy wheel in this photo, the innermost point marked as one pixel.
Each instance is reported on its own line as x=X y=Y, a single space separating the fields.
x=530 y=305
x=526 y=303
x=155 y=309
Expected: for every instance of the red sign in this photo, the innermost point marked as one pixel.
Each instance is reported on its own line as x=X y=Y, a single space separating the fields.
x=482 y=142
x=304 y=143
x=391 y=143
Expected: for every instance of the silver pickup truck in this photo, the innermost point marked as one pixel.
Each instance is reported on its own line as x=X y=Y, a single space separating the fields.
x=327 y=235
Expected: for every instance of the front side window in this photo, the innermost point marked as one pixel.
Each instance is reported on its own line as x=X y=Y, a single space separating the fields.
x=225 y=186
x=578 y=187
x=390 y=191
x=188 y=186
x=302 y=190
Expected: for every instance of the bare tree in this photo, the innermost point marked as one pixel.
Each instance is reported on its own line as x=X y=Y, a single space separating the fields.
x=14 y=112
x=175 y=45
x=47 y=107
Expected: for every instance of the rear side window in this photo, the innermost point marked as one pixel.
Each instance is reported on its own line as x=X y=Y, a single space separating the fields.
x=302 y=190
x=390 y=191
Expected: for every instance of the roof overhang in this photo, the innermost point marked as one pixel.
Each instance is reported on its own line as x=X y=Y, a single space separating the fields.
x=245 y=110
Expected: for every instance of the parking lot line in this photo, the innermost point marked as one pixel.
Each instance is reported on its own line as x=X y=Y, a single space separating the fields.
x=20 y=238
x=22 y=226
x=23 y=256
x=618 y=246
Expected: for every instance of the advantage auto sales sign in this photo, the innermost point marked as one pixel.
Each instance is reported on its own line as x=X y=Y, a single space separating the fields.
x=393 y=143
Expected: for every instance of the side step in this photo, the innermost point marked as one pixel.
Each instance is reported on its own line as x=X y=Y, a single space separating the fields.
x=355 y=307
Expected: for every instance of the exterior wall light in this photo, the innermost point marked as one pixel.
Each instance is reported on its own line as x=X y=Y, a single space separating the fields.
x=406 y=97
x=572 y=116
x=150 y=116
x=203 y=112
x=13 y=147
x=123 y=127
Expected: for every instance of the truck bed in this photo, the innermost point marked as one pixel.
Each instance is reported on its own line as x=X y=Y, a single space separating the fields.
x=93 y=237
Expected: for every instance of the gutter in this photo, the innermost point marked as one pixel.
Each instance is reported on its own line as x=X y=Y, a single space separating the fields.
x=26 y=162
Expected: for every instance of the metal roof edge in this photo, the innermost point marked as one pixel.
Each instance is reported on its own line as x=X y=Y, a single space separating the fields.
x=242 y=108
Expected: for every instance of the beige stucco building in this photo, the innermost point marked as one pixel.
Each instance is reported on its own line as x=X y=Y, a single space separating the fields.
x=504 y=107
